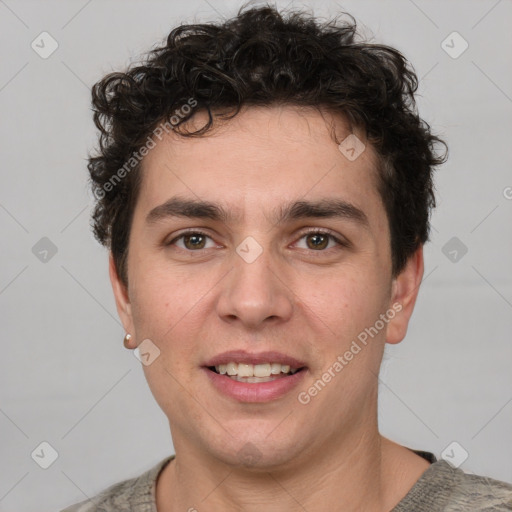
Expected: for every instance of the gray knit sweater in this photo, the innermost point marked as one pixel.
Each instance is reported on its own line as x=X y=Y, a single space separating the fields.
x=440 y=488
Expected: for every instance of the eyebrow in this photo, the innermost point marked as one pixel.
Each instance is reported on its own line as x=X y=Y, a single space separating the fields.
x=295 y=210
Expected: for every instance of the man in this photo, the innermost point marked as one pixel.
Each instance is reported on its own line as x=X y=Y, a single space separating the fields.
x=264 y=187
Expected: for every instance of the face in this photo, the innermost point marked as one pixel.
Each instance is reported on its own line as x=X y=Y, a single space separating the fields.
x=266 y=277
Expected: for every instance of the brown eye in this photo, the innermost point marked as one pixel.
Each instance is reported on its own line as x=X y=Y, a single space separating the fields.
x=318 y=240
x=191 y=241
x=195 y=241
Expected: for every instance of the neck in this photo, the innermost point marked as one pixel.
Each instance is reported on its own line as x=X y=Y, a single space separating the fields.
x=374 y=474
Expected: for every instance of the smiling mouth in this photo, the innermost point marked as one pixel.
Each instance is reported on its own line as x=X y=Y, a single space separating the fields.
x=266 y=372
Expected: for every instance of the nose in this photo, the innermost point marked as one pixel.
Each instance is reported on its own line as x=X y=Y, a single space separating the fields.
x=255 y=293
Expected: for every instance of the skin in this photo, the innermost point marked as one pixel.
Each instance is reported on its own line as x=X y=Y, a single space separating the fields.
x=294 y=298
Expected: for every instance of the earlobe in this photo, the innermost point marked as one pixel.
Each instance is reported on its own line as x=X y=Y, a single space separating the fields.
x=405 y=288
x=121 y=296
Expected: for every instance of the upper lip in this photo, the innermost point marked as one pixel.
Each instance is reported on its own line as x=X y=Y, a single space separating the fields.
x=242 y=356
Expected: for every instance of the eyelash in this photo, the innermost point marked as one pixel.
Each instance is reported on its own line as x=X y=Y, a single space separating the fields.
x=314 y=231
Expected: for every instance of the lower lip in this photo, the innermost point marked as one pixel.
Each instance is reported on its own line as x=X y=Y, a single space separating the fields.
x=255 y=392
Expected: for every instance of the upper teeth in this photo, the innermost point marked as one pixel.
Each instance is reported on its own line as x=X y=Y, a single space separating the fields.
x=254 y=370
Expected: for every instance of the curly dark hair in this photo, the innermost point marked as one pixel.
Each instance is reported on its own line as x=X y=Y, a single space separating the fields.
x=263 y=57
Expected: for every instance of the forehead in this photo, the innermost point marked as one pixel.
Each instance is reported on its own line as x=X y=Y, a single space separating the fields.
x=262 y=156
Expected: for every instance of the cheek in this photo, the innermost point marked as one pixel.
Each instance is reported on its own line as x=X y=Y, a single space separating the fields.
x=151 y=303
x=161 y=296
x=170 y=308
x=167 y=309
x=346 y=301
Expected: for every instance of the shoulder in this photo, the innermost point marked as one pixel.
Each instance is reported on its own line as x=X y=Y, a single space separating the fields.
x=134 y=494
x=444 y=488
x=479 y=493
x=116 y=497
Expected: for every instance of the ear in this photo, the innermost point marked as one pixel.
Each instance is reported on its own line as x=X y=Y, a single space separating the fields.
x=405 y=288
x=120 y=290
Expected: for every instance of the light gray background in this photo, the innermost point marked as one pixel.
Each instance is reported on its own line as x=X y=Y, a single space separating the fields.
x=66 y=378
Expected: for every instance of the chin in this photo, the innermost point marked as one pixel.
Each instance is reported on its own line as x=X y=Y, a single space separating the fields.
x=258 y=454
